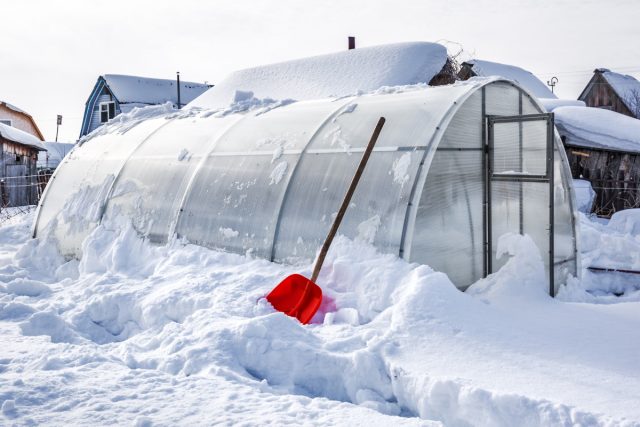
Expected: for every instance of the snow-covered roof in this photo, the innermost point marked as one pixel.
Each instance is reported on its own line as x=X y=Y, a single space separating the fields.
x=144 y=90
x=551 y=104
x=55 y=153
x=21 y=137
x=521 y=76
x=333 y=75
x=13 y=107
x=627 y=87
x=598 y=128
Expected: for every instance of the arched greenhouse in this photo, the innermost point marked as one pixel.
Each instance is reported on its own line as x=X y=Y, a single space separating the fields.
x=455 y=167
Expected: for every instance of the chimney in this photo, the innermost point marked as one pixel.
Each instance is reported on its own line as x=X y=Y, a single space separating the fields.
x=352 y=42
x=178 y=79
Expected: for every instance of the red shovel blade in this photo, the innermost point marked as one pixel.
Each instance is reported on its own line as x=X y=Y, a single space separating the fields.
x=296 y=296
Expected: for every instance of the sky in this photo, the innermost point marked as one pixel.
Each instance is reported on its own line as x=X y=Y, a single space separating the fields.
x=53 y=51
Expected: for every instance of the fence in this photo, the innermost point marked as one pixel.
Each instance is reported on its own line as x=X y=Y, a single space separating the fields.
x=23 y=190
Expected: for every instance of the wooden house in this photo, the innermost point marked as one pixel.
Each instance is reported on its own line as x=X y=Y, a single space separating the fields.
x=18 y=167
x=114 y=94
x=613 y=91
x=603 y=147
x=11 y=115
x=524 y=78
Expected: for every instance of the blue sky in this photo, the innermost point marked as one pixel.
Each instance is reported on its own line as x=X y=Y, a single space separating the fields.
x=53 y=51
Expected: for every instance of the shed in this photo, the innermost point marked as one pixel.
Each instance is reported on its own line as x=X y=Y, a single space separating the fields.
x=455 y=168
x=114 y=94
x=603 y=147
x=613 y=91
x=18 y=183
x=526 y=79
x=11 y=115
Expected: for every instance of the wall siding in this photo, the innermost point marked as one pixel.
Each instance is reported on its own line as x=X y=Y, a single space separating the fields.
x=18 y=120
x=95 y=114
x=601 y=95
x=17 y=180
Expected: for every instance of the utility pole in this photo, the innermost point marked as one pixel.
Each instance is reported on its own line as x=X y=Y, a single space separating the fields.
x=178 y=78
x=58 y=126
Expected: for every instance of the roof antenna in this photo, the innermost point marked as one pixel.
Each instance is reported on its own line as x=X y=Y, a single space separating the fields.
x=178 y=79
x=552 y=83
x=352 y=42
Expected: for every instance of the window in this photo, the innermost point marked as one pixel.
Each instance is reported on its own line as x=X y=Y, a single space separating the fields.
x=6 y=122
x=107 y=111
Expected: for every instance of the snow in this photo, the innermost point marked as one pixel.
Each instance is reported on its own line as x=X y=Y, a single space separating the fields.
x=21 y=137
x=333 y=75
x=598 y=128
x=551 y=104
x=585 y=195
x=627 y=88
x=524 y=78
x=140 y=334
x=145 y=90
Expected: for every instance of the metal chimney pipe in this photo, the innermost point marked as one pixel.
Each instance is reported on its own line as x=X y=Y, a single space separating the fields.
x=178 y=79
x=352 y=42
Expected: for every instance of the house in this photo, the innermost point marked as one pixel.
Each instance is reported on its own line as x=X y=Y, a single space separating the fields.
x=18 y=158
x=603 y=147
x=526 y=79
x=613 y=91
x=114 y=94
x=11 y=115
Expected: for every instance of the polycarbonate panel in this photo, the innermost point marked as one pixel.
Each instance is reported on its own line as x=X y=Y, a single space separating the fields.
x=376 y=213
x=502 y=99
x=235 y=198
x=465 y=128
x=535 y=216
x=412 y=112
x=565 y=256
x=505 y=211
x=449 y=224
x=76 y=195
x=151 y=186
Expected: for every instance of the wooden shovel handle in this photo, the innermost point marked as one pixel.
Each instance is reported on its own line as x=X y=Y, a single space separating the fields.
x=347 y=200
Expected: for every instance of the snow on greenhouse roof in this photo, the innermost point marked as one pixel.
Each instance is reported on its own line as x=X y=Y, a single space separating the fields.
x=598 y=128
x=627 y=87
x=519 y=75
x=333 y=75
x=21 y=137
x=144 y=90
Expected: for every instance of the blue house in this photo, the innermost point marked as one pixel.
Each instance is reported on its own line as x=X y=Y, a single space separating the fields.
x=115 y=93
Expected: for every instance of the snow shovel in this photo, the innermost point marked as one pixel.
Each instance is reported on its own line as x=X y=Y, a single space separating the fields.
x=297 y=296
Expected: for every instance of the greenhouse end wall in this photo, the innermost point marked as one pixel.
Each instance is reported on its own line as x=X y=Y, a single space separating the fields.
x=269 y=182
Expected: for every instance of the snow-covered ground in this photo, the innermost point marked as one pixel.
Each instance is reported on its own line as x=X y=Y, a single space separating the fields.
x=135 y=334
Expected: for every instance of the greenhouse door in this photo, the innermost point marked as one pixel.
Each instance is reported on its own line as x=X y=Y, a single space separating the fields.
x=519 y=190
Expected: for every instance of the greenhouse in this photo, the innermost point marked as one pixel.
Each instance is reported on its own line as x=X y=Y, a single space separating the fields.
x=455 y=168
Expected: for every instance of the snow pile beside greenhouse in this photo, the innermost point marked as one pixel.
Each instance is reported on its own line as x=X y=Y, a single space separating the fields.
x=135 y=334
x=333 y=75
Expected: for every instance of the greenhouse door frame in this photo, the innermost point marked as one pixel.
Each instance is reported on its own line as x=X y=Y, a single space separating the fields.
x=522 y=177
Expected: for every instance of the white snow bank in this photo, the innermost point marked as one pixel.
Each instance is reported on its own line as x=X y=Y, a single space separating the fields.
x=551 y=104
x=113 y=337
x=519 y=75
x=332 y=75
x=598 y=128
x=585 y=195
x=16 y=135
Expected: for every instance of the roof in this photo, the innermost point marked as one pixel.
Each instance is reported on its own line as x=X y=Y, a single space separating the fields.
x=21 y=111
x=21 y=137
x=519 y=75
x=334 y=75
x=598 y=128
x=625 y=86
x=145 y=90
x=55 y=153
